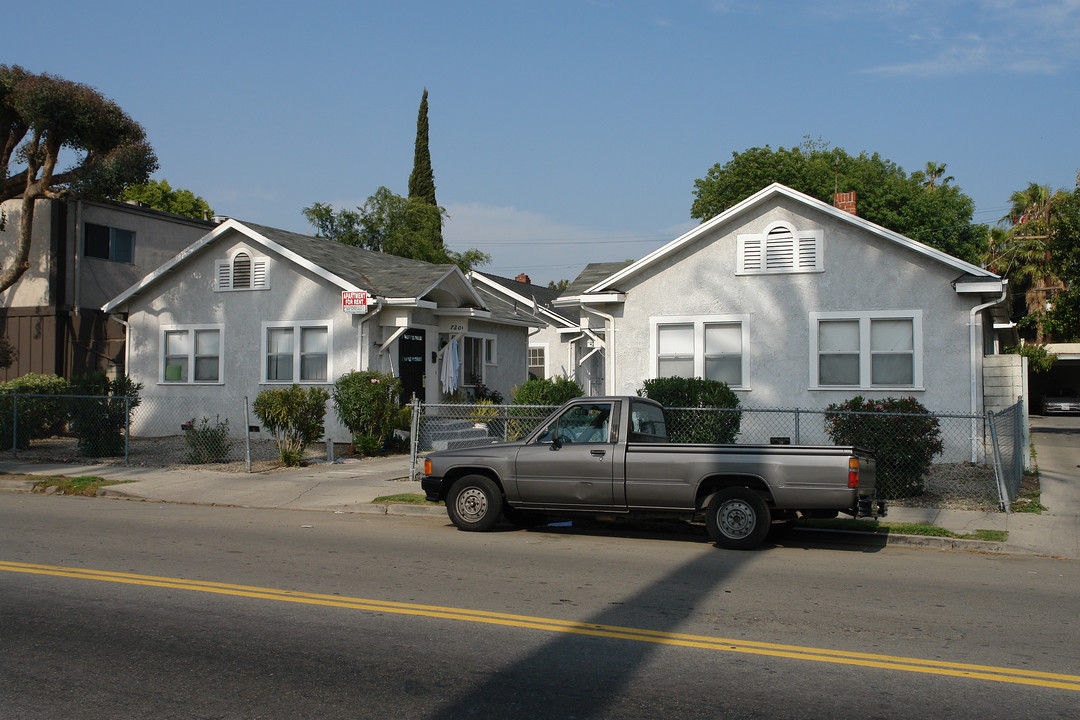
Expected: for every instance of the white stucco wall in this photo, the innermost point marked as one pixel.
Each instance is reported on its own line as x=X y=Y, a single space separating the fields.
x=32 y=289
x=861 y=272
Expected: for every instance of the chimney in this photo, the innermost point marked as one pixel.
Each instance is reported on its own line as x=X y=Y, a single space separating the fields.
x=523 y=278
x=845 y=201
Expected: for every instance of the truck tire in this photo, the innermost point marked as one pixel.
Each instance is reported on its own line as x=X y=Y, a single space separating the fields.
x=737 y=518
x=474 y=503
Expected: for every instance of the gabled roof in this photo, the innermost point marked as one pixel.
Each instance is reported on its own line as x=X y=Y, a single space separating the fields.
x=350 y=268
x=609 y=283
x=592 y=276
x=533 y=300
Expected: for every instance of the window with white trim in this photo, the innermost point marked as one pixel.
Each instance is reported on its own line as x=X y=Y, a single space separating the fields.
x=781 y=248
x=191 y=354
x=714 y=347
x=243 y=272
x=876 y=349
x=537 y=362
x=479 y=352
x=296 y=352
x=108 y=243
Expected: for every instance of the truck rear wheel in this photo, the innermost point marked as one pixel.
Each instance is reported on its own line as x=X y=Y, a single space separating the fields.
x=737 y=518
x=474 y=503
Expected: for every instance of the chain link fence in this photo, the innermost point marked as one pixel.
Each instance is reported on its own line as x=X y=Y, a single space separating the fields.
x=944 y=460
x=155 y=430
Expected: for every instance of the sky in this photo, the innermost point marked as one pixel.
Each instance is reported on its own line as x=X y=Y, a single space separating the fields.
x=571 y=131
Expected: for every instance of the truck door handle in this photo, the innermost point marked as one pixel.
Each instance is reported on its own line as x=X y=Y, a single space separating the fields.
x=598 y=453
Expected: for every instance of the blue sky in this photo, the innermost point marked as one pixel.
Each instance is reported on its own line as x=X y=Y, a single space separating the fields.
x=566 y=132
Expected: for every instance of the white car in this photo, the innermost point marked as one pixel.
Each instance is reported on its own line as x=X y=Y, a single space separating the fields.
x=1062 y=400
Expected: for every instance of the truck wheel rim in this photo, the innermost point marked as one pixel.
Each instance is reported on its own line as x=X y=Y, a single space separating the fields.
x=472 y=504
x=736 y=519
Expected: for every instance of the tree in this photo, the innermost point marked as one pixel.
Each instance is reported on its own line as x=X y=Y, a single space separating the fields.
x=42 y=116
x=933 y=171
x=938 y=215
x=392 y=224
x=422 y=178
x=560 y=286
x=159 y=195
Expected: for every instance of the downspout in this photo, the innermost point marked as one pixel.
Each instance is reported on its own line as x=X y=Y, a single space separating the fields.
x=609 y=345
x=973 y=342
x=77 y=300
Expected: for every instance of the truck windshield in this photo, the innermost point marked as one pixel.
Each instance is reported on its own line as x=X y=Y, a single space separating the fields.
x=580 y=424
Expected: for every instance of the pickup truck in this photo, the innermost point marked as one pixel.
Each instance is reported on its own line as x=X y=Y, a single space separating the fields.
x=612 y=456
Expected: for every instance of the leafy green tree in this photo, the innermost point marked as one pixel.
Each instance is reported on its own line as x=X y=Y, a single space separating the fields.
x=44 y=116
x=159 y=195
x=392 y=224
x=937 y=214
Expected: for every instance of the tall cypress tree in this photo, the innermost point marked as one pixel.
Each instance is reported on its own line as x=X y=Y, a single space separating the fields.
x=422 y=179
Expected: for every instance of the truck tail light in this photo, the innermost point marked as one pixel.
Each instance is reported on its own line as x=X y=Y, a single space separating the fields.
x=427 y=466
x=853 y=472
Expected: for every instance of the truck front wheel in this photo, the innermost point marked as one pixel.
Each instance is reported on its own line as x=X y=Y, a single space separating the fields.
x=737 y=518
x=474 y=503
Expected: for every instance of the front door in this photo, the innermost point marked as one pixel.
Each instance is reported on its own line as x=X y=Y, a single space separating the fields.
x=411 y=348
x=573 y=462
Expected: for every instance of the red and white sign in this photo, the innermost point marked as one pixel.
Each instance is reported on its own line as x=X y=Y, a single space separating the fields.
x=355 y=302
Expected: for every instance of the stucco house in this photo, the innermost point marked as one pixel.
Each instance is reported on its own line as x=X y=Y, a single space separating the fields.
x=550 y=346
x=249 y=307
x=82 y=253
x=795 y=303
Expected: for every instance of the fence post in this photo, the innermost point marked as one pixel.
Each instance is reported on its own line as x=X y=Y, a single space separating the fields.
x=14 y=426
x=127 y=430
x=247 y=436
x=414 y=437
x=999 y=473
x=798 y=425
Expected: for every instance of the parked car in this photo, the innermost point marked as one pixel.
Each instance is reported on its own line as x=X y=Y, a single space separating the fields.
x=1060 y=401
x=612 y=456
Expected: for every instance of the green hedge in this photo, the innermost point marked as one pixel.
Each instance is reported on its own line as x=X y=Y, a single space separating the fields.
x=696 y=426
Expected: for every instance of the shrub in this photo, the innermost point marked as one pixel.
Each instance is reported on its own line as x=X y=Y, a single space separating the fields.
x=367 y=403
x=295 y=418
x=39 y=417
x=207 y=443
x=546 y=391
x=902 y=433
x=99 y=424
x=717 y=420
x=8 y=353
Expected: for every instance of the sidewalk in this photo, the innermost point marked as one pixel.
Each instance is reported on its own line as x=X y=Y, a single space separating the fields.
x=351 y=486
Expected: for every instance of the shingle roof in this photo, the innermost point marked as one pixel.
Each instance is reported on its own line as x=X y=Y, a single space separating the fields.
x=542 y=295
x=378 y=273
x=592 y=274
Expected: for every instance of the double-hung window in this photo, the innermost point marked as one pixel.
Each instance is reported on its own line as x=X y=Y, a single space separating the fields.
x=537 y=362
x=877 y=349
x=296 y=352
x=191 y=354
x=478 y=353
x=108 y=243
x=714 y=347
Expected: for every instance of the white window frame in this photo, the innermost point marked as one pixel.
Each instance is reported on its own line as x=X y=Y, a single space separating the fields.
x=260 y=272
x=297 y=327
x=191 y=356
x=489 y=356
x=865 y=351
x=543 y=348
x=699 y=322
x=754 y=250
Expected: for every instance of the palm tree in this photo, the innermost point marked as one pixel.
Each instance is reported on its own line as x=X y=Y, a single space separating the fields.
x=933 y=172
x=1024 y=254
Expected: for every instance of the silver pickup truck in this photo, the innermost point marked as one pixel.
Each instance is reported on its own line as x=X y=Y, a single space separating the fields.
x=612 y=456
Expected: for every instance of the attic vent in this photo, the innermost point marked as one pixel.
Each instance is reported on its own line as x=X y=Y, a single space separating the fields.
x=243 y=273
x=780 y=249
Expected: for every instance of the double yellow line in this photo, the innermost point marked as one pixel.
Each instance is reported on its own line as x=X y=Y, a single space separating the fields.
x=841 y=657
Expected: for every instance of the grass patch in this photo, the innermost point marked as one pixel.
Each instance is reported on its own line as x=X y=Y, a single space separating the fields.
x=86 y=485
x=1028 y=502
x=404 y=499
x=885 y=528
